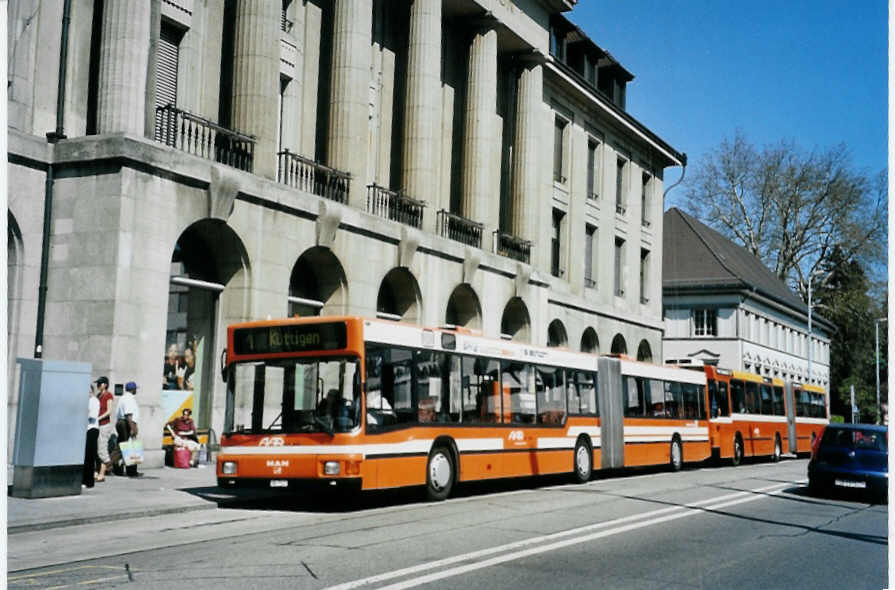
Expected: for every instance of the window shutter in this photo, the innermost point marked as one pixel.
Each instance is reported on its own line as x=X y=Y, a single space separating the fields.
x=166 y=70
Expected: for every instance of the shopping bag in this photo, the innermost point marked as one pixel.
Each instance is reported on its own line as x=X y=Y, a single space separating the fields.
x=131 y=451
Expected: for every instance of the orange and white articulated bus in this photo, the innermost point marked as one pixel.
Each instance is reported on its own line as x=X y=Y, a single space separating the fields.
x=752 y=415
x=378 y=404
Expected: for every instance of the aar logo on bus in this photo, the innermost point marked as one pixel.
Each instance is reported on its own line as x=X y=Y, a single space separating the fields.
x=271 y=441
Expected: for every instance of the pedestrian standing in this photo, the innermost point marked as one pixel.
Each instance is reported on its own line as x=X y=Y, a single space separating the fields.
x=105 y=398
x=128 y=416
x=92 y=436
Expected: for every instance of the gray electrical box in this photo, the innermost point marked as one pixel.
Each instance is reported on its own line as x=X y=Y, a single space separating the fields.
x=51 y=428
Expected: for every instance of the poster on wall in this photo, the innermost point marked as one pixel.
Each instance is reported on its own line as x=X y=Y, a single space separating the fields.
x=180 y=379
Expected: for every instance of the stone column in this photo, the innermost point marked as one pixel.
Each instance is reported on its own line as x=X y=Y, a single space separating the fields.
x=479 y=165
x=124 y=59
x=525 y=207
x=423 y=104
x=256 y=83
x=349 y=110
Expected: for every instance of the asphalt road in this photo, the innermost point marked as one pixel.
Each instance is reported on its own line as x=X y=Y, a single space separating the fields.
x=753 y=526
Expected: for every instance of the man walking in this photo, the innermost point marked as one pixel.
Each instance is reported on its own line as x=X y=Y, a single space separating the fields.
x=105 y=398
x=128 y=416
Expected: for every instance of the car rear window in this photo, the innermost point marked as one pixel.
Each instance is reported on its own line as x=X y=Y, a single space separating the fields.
x=856 y=439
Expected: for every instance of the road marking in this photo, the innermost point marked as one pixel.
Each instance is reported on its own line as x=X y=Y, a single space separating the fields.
x=636 y=521
x=62 y=571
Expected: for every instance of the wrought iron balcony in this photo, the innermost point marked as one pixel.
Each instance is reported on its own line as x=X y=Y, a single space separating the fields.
x=199 y=136
x=511 y=246
x=312 y=177
x=459 y=229
x=620 y=209
x=590 y=283
x=394 y=205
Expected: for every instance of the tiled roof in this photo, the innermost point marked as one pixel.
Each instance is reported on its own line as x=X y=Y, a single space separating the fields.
x=697 y=257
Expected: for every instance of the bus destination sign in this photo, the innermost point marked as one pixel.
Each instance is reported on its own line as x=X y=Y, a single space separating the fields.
x=290 y=338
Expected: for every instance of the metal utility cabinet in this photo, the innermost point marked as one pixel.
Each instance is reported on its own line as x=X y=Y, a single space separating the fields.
x=51 y=428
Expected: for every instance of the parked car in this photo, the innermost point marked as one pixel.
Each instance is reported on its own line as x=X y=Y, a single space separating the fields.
x=851 y=457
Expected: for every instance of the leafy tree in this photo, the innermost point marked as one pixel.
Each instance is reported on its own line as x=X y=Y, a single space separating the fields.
x=791 y=208
x=845 y=300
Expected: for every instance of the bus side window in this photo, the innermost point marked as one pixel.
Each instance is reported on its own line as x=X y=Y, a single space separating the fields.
x=713 y=399
x=550 y=386
x=752 y=403
x=481 y=399
x=738 y=396
x=778 y=402
x=633 y=398
x=723 y=409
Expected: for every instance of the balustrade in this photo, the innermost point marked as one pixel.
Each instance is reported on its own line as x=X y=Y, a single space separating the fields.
x=198 y=136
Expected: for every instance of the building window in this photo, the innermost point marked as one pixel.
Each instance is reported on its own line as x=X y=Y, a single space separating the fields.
x=705 y=322
x=593 y=168
x=559 y=144
x=619 y=267
x=644 y=276
x=555 y=270
x=558 y=43
x=644 y=200
x=589 y=233
x=620 y=164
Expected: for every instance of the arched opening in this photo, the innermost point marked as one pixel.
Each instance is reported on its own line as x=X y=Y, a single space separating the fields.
x=644 y=353
x=619 y=346
x=589 y=341
x=318 y=285
x=399 y=297
x=208 y=286
x=463 y=308
x=516 y=323
x=556 y=334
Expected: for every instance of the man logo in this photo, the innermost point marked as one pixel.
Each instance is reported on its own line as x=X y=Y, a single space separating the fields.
x=271 y=441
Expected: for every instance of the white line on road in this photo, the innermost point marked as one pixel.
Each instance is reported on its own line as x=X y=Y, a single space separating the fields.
x=654 y=517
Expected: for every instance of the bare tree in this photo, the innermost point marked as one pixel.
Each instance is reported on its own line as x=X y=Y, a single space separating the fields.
x=791 y=208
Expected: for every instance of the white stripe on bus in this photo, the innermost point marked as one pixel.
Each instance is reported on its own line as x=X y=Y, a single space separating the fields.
x=757 y=418
x=667 y=430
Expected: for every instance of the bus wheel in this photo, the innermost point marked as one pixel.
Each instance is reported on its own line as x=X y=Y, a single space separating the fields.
x=737 y=450
x=439 y=474
x=677 y=455
x=777 y=449
x=584 y=461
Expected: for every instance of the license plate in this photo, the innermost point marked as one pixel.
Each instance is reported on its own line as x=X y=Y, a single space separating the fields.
x=851 y=484
x=279 y=483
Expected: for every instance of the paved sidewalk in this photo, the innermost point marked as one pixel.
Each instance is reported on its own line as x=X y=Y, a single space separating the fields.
x=159 y=491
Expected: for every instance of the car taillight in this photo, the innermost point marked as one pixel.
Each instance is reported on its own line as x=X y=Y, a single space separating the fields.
x=816 y=443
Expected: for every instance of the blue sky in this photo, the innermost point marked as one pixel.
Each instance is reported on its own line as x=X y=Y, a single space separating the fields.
x=811 y=71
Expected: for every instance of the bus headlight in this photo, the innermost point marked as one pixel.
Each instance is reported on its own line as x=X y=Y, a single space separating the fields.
x=331 y=468
x=228 y=468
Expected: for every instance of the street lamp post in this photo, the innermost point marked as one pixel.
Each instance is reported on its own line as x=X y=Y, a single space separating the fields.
x=810 y=278
x=879 y=409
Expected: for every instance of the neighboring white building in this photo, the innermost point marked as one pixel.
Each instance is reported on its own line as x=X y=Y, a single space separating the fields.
x=467 y=162
x=724 y=307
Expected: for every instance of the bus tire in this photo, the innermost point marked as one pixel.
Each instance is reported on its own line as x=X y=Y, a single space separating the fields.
x=778 y=449
x=439 y=473
x=677 y=454
x=583 y=461
x=737 y=450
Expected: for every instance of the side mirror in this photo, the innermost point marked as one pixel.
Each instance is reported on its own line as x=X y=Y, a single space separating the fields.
x=224 y=365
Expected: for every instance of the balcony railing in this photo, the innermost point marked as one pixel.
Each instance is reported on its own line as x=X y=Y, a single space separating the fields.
x=199 y=136
x=459 y=229
x=590 y=283
x=620 y=209
x=511 y=246
x=312 y=177
x=394 y=205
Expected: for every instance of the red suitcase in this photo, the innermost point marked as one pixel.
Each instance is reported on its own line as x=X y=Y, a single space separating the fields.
x=182 y=458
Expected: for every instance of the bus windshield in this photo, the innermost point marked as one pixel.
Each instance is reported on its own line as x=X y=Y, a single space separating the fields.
x=294 y=395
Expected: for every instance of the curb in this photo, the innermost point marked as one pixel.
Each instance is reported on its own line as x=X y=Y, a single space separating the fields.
x=41 y=526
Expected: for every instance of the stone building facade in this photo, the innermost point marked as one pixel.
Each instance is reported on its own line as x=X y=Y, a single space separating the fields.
x=724 y=307
x=464 y=162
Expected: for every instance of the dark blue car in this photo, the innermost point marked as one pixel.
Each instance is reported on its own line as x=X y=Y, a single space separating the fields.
x=851 y=457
